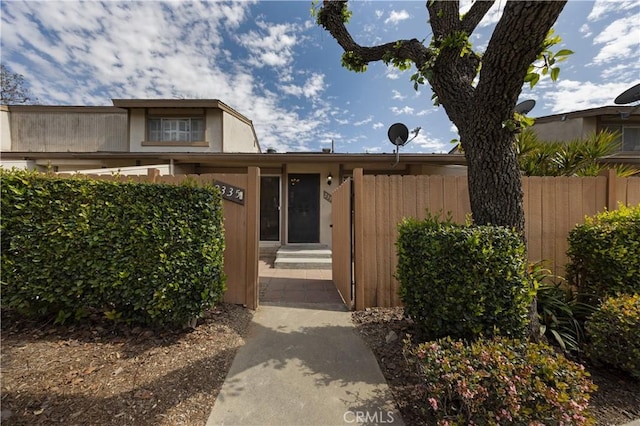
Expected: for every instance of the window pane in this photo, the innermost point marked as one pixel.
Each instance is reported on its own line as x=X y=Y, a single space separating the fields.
x=631 y=138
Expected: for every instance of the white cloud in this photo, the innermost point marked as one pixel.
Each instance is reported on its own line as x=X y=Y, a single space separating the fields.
x=272 y=45
x=311 y=89
x=379 y=13
x=363 y=122
x=571 y=95
x=490 y=18
x=395 y=17
x=377 y=125
x=601 y=8
x=621 y=41
x=404 y=110
x=397 y=95
x=585 y=30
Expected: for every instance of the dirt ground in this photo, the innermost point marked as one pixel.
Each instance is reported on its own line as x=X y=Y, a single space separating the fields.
x=100 y=374
x=616 y=402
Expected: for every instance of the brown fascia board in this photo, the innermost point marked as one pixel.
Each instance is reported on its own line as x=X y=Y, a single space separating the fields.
x=252 y=158
x=178 y=103
x=65 y=108
x=592 y=112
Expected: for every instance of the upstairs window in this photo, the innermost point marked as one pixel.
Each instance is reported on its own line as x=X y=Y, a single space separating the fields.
x=629 y=136
x=176 y=129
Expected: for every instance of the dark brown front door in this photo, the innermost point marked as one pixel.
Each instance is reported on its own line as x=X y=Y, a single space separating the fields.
x=304 y=208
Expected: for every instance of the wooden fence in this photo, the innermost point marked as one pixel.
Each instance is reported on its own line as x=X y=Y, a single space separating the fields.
x=553 y=206
x=241 y=223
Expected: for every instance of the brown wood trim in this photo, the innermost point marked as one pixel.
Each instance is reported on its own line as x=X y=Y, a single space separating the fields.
x=159 y=143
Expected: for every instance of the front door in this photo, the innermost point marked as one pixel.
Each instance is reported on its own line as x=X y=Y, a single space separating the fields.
x=270 y=208
x=304 y=208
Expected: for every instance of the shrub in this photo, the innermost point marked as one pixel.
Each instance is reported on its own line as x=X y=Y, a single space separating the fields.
x=143 y=253
x=463 y=281
x=560 y=313
x=604 y=254
x=614 y=332
x=500 y=382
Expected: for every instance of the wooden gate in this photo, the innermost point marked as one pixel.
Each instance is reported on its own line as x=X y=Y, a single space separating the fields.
x=342 y=241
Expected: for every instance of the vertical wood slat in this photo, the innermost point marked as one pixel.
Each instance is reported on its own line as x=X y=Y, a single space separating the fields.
x=383 y=239
x=341 y=240
x=358 y=231
x=396 y=214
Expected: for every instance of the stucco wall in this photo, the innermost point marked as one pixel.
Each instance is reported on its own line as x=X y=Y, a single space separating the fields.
x=238 y=135
x=5 y=130
x=566 y=130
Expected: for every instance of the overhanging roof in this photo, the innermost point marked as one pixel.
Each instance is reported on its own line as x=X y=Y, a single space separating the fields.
x=251 y=159
x=591 y=112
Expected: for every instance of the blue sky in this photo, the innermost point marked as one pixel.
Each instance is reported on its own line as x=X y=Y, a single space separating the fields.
x=270 y=61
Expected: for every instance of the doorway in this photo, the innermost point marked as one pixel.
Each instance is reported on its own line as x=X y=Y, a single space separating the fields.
x=304 y=208
x=270 y=208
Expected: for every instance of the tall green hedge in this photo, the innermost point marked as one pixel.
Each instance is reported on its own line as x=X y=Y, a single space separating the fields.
x=604 y=254
x=144 y=253
x=463 y=281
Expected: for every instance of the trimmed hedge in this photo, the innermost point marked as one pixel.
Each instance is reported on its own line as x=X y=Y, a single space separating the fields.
x=143 y=253
x=604 y=254
x=463 y=281
x=499 y=382
x=614 y=330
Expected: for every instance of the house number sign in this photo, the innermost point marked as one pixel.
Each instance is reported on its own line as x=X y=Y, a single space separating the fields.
x=230 y=192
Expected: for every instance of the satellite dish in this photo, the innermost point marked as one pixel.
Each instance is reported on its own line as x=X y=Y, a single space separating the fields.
x=630 y=95
x=525 y=106
x=398 y=134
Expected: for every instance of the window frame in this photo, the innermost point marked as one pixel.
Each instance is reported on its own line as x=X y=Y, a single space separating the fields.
x=158 y=127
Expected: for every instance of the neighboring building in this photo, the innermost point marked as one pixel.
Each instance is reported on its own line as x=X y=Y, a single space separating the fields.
x=571 y=125
x=130 y=126
x=198 y=136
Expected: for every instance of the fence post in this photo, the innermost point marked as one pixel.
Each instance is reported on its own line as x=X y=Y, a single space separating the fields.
x=152 y=175
x=358 y=212
x=612 y=198
x=252 y=207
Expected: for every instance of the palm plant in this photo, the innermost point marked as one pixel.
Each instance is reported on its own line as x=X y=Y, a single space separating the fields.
x=560 y=313
x=578 y=157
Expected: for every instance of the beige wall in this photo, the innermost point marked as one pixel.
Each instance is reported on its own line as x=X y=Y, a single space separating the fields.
x=238 y=136
x=213 y=129
x=5 y=130
x=565 y=130
x=223 y=132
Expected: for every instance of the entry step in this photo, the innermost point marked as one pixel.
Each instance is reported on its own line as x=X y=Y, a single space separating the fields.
x=303 y=256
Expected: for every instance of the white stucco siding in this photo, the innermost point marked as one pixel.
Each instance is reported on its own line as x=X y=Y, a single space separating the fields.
x=213 y=130
x=238 y=135
x=5 y=130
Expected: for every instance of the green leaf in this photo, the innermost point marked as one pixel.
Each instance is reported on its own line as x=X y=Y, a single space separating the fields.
x=555 y=72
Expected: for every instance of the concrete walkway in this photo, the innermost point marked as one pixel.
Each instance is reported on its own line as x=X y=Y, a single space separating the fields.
x=303 y=362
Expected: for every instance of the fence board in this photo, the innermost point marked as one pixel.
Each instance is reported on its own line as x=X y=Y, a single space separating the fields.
x=553 y=206
x=341 y=240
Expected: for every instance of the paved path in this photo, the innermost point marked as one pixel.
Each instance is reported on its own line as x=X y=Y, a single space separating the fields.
x=303 y=362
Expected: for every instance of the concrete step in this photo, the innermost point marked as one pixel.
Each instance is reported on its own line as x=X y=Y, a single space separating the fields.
x=303 y=256
x=304 y=253
x=302 y=263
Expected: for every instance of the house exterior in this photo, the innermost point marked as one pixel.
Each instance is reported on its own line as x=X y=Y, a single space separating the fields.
x=576 y=124
x=183 y=136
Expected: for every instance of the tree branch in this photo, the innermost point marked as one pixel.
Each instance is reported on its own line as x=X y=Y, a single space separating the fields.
x=444 y=17
x=473 y=17
x=331 y=18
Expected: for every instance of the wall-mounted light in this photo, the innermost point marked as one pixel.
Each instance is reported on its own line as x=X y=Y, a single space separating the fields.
x=329 y=179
